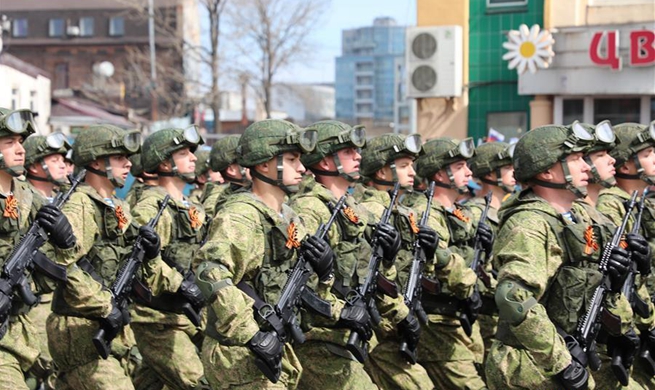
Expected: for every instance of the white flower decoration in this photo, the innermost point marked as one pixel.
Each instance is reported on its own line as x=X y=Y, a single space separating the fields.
x=529 y=49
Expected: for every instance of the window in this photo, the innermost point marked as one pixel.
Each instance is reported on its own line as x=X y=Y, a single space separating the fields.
x=56 y=28
x=617 y=110
x=20 y=28
x=116 y=26
x=14 y=98
x=509 y=124
x=86 y=27
x=652 y=109
x=572 y=110
x=506 y=3
x=33 y=101
x=61 y=76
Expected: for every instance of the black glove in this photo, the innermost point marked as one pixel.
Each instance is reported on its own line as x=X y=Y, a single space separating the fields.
x=319 y=255
x=189 y=289
x=113 y=323
x=625 y=345
x=389 y=240
x=54 y=222
x=574 y=376
x=268 y=350
x=485 y=236
x=410 y=330
x=429 y=239
x=640 y=250
x=5 y=307
x=618 y=267
x=150 y=242
x=356 y=317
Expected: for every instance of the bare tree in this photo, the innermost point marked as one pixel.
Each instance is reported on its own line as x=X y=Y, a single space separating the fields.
x=215 y=9
x=269 y=35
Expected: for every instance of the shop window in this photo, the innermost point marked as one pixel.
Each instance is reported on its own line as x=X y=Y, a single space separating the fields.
x=116 y=26
x=617 y=110
x=510 y=124
x=572 y=110
x=19 y=28
x=56 y=28
x=86 y=27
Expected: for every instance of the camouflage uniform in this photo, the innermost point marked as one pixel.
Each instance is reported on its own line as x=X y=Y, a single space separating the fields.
x=166 y=336
x=388 y=368
x=137 y=188
x=453 y=358
x=105 y=229
x=202 y=167
x=253 y=245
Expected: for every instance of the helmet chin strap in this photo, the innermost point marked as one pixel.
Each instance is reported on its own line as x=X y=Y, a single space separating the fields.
x=351 y=177
x=394 y=174
x=15 y=171
x=650 y=180
x=242 y=181
x=115 y=181
x=595 y=176
x=579 y=192
x=451 y=183
x=288 y=189
x=188 y=178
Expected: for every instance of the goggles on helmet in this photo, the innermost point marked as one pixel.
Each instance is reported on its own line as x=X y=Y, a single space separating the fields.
x=304 y=139
x=18 y=121
x=412 y=145
x=55 y=141
x=130 y=141
x=578 y=136
x=648 y=134
x=507 y=153
x=465 y=148
x=355 y=136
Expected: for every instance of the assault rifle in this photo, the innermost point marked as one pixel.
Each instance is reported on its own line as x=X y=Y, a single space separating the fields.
x=639 y=306
x=414 y=286
x=26 y=257
x=126 y=281
x=366 y=292
x=468 y=313
x=583 y=344
x=282 y=316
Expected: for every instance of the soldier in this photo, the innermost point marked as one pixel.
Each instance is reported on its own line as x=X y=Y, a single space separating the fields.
x=327 y=364
x=251 y=244
x=492 y=166
x=204 y=175
x=635 y=170
x=223 y=160
x=142 y=180
x=548 y=260
x=166 y=336
x=21 y=349
x=388 y=160
x=105 y=231
x=453 y=354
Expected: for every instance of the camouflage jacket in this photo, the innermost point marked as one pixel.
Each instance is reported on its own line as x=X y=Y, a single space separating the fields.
x=210 y=195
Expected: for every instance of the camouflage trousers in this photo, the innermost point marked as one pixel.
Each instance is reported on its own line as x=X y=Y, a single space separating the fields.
x=324 y=370
x=605 y=378
x=488 y=326
x=39 y=315
x=451 y=358
x=233 y=367
x=19 y=350
x=169 y=355
x=80 y=367
x=390 y=371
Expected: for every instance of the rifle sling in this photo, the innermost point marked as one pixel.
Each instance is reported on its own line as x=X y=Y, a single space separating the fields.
x=260 y=304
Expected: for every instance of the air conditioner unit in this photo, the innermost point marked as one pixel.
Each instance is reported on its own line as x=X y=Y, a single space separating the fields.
x=73 y=31
x=433 y=59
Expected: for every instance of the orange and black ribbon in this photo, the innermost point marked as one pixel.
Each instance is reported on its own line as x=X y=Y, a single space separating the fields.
x=412 y=223
x=292 y=240
x=194 y=216
x=460 y=215
x=350 y=214
x=591 y=245
x=120 y=215
x=11 y=208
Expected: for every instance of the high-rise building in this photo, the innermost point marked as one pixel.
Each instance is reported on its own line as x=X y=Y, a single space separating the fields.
x=369 y=75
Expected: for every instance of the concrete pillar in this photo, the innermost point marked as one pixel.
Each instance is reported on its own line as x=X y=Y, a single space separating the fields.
x=541 y=111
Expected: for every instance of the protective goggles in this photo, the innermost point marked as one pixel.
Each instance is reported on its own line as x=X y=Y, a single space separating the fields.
x=578 y=137
x=411 y=145
x=508 y=153
x=648 y=134
x=355 y=136
x=465 y=148
x=190 y=135
x=304 y=139
x=54 y=141
x=603 y=131
x=130 y=141
x=18 y=121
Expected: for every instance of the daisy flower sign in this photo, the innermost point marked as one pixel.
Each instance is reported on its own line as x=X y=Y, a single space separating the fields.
x=529 y=49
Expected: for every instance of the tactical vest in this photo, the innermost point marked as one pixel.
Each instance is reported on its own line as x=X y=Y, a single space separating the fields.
x=185 y=237
x=405 y=220
x=461 y=229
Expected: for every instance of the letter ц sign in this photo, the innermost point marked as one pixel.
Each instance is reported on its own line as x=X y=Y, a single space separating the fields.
x=642 y=49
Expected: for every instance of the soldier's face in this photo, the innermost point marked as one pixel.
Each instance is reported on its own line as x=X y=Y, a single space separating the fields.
x=647 y=160
x=56 y=167
x=292 y=168
x=70 y=168
x=185 y=161
x=461 y=173
x=604 y=164
x=578 y=168
x=120 y=165
x=405 y=171
x=215 y=177
x=350 y=159
x=507 y=175
x=12 y=150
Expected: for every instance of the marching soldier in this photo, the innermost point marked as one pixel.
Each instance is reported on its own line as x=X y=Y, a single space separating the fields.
x=142 y=180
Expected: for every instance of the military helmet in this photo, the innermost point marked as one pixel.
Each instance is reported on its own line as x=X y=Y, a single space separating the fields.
x=103 y=141
x=489 y=157
x=39 y=146
x=202 y=164
x=160 y=145
x=632 y=138
x=16 y=122
x=137 y=168
x=441 y=152
x=604 y=139
x=332 y=137
x=224 y=153
x=265 y=139
x=385 y=149
x=541 y=148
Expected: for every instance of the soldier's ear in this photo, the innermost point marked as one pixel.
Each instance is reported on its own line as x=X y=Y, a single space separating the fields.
x=33 y=168
x=165 y=166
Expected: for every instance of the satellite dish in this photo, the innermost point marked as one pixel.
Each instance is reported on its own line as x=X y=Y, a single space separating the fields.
x=104 y=69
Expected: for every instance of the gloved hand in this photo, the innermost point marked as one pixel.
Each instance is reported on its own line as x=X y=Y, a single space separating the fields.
x=42 y=368
x=486 y=237
x=574 y=376
x=389 y=240
x=356 y=317
x=625 y=345
x=113 y=323
x=268 y=350
x=190 y=290
x=319 y=255
x=474 y=302
x=618 y=267
x=410 y=330
x=429 y=239
x=150 y=242
x=55 y=223
x=640 y=250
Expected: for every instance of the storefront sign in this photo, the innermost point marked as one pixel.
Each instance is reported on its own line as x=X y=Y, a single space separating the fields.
x=642 y=49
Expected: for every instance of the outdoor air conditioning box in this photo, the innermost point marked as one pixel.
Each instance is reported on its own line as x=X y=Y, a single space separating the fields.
x=73 y=31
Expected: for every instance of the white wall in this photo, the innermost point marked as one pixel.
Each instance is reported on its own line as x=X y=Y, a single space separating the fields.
x=12 y=79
